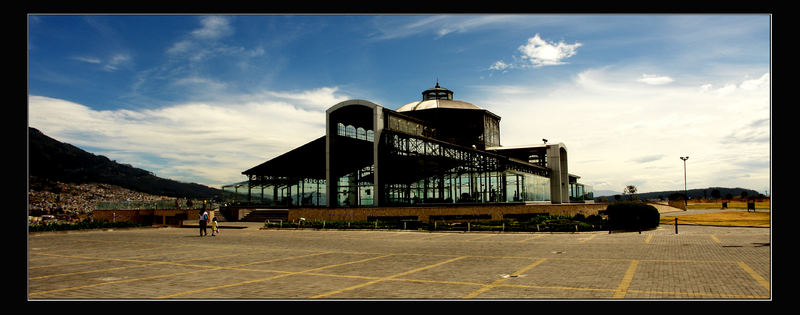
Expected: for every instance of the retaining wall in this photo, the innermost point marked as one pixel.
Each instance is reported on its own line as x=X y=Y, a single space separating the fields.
x=462 y=213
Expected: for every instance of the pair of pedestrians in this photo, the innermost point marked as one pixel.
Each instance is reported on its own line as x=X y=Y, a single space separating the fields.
x=204 y=224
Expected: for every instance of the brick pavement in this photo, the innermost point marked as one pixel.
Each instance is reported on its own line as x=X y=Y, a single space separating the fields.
x=173 y=263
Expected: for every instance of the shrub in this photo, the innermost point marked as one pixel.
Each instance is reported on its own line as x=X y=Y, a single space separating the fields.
x=632 y=216
x=83 y=225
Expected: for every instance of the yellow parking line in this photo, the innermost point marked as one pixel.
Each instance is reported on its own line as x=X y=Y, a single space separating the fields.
x=587 y=239
x=144 y=263
x=385 y=278
x=269 y=278
x=714 y=237
x=622 y=289
x=649 y=238
x=162 y=276
x=119 y=281
x=500 y=281
x=702 y=294
x=531 y=238
x=763 y=282
x=480 y=238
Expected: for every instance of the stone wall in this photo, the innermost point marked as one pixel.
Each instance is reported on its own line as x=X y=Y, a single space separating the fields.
x=172 y=217
x=478 y=212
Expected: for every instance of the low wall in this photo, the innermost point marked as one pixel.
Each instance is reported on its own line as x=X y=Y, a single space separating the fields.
x=672 y=206
x=173 y=217
x=481 y=212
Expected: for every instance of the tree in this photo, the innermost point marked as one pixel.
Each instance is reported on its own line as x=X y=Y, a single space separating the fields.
x=630 y=190
x=715 y=193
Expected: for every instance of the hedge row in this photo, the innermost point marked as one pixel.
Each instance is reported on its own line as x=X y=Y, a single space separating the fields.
x=628 y=215
x=83 y=225
x=625 y=215
x=540 y=223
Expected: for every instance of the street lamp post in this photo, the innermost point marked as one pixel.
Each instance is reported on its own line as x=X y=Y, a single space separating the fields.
x=686 y=197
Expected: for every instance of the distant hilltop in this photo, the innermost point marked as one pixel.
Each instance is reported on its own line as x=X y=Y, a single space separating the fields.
x=699 y=193
x=50 y=160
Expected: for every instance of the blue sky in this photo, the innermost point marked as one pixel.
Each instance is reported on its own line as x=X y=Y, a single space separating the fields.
x=201 y=98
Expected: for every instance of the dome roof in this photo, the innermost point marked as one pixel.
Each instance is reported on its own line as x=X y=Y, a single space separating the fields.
x=437 y=97
x=430 y=104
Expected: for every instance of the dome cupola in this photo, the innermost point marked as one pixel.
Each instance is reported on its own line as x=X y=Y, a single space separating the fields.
x=437 y=97
x=437 y=93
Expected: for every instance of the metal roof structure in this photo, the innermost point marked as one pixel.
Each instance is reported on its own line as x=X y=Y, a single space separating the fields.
x=430 y=104
x=433 y=151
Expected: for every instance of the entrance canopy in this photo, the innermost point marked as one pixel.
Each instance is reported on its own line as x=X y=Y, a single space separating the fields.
x=306 y=161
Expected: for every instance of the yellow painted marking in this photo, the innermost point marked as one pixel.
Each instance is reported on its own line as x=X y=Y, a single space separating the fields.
x=649 y=238
x=94 y=260
x=120 y=281
x=270 y=278
x=480 y=238
x=622 y=289
x=587 y=239
x=531 y=238
x=385 y=278
x=718 y=295
x=500 y=281
x=145 y=263
x=714 y=237
x=763 y=282
x=438 y=235
x=166 y=275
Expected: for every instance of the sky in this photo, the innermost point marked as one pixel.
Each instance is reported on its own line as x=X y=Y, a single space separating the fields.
x=202 y=98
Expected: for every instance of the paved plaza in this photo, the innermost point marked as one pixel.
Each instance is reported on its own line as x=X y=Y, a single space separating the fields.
x=713 y=263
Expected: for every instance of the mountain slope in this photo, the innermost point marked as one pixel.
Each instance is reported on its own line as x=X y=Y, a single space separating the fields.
x=698 y=193
x=52 y=160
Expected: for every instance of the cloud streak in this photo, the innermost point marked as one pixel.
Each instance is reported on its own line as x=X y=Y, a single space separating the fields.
x=542 y=53
x=205 y=142
x=639 y=131
x=537 y=52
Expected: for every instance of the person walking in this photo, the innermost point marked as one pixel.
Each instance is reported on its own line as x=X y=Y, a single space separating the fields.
x=203 y=223
x=214 y=227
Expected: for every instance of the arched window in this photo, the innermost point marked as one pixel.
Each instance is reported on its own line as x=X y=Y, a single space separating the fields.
x=350 y=131
x=370 y=136
x=361 y=134
x=340 y=129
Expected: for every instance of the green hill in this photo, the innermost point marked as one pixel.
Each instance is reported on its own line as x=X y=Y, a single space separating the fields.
x=699 y=193
x=52 y=160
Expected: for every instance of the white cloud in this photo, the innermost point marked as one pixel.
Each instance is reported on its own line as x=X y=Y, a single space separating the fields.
x=619 y=131
x=87 y=59
x=317 y=99
x=116 y=61
x=387 y=27
x=213 y=27
x=499 y=65
x=542 y=53
x=655 y=79
x=537 y=52
x=205 y=42
x=113 y=63
x=205 y=142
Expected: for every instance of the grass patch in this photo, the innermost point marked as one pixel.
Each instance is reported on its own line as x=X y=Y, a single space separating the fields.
x=728 y=218
x=734 y=204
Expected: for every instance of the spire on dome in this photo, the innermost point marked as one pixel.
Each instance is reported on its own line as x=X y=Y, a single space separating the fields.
x=437 y=93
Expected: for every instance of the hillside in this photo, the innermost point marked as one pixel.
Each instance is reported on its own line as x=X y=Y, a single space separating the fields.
x=50 y=160
x=700 y=193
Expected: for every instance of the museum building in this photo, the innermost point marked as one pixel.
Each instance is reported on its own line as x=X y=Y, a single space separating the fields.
x=434 y=151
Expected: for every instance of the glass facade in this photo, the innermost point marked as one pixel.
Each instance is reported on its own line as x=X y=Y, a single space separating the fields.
x=580 y=192
x=281 y=192
x=427 y=158
x=356 y=189
x=526 y=187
